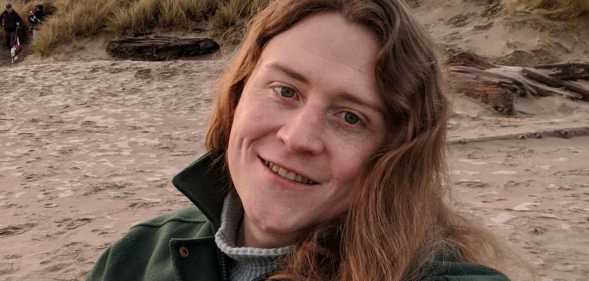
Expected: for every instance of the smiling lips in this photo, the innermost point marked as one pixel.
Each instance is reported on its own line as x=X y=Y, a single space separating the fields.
x=287 y=174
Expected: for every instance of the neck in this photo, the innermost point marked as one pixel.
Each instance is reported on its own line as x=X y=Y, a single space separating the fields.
x=251 y=236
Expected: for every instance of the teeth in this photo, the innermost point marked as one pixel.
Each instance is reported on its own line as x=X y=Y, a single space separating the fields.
x=299 y=178
x=283 y=172
x=274 y=168
x=288 y=174
x=291 y=176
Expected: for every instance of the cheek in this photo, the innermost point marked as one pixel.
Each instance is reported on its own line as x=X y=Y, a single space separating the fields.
x=253 y=121
x=347 y=175
x=350 y=160
x=246 y=115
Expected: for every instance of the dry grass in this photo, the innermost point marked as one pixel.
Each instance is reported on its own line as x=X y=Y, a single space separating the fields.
x=172 y=14
x=559 y=9
x=144 y=15
x=231 y=17
x=73 y=20
x=138 y=17
x=76 y=19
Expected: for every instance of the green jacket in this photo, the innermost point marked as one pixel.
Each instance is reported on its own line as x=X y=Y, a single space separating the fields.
x=180 y=246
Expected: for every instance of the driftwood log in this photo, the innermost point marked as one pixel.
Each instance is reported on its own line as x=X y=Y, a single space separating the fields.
x=499 y=85
x=161 y=48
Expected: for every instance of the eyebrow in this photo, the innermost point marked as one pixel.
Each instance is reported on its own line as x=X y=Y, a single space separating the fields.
x=289 y=72
x=343 y=94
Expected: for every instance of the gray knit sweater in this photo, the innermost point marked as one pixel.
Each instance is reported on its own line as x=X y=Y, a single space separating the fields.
x=249 y=263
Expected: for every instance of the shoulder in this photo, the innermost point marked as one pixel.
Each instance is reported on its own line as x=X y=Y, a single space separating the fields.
x=189 y=216
x=184 y=223
x=145 y=249
x=462 y=271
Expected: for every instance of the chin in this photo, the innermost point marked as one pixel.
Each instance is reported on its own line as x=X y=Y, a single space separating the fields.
x=278 y=225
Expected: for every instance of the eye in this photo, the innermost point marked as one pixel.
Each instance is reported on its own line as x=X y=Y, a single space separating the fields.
x=283 y=91
x=351 y=118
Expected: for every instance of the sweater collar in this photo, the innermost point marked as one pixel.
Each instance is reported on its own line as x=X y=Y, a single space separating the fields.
x=205 y=183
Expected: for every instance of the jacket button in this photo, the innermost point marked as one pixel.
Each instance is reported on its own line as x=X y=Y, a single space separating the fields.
x=183 y=251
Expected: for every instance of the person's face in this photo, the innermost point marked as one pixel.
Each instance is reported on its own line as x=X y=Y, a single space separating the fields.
x=308 y=120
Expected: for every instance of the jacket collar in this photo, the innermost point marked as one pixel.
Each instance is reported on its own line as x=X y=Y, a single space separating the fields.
x=205 y=183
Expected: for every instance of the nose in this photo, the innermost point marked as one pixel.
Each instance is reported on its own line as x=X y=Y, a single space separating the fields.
x=303 y=131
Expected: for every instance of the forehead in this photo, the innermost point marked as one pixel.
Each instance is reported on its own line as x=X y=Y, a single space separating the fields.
x=328 y=49
x=332 y=37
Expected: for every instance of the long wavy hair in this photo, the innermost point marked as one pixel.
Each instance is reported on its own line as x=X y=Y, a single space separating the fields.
x=399 y=221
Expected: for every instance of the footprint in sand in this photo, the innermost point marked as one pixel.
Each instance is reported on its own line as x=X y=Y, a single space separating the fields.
x=574 y=172
x=166 y=72
x=472 y=183
x=7 y=268
x=514 y=184
x=73 y=223
x=460 y=20
x=115 y=70
x=56 y=267
x=145 y=203
x=104 y=186
x=12 y=257
x=11 y=230
x=537 y=230
x=66 y=259
x=105 y=230
x=144 y=74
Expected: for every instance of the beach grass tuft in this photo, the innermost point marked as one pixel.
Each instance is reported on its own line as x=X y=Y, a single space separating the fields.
x=76 y=19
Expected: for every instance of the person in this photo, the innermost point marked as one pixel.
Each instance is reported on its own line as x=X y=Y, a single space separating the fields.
x=325 y=161
x=36 y=16
x=10 y=20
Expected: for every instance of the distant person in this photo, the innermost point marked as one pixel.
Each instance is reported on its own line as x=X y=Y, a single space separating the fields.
x=326 y=160
x=10 y=20
x=36 y=16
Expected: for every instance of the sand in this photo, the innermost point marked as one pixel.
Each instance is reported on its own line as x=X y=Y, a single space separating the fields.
x=88 y=147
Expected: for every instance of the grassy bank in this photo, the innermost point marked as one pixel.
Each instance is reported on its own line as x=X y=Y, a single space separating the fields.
x=76 y=19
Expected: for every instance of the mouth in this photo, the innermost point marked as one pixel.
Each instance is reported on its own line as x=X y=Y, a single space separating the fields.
x=287 y=174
